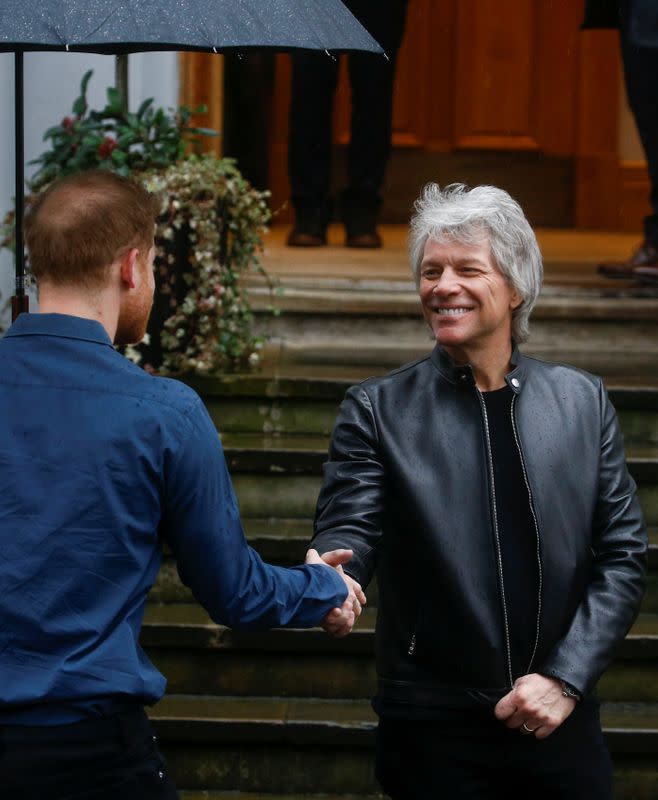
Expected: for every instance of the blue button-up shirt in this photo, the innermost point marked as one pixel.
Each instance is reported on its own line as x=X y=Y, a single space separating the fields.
x=99 y=463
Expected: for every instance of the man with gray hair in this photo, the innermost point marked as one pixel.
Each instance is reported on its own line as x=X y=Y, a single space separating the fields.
x=490 y=493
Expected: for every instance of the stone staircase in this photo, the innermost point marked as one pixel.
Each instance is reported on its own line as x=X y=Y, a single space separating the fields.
x=285 y=715
x=376 y=324
x=359 y=310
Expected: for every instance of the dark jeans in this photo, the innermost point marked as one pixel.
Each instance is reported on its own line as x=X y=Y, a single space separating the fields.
x=314 y=80
x=113 y=758
x=640 y=70
x=476 y=757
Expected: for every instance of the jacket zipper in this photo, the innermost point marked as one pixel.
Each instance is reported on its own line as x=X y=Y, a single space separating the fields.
x=534 y=518
x=499 y=557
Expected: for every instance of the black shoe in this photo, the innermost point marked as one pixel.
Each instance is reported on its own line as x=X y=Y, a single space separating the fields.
x=647 y=274
x=359 y=213
x=645 y=256
x=365 y=240
x=302 y=238
x=310 y=229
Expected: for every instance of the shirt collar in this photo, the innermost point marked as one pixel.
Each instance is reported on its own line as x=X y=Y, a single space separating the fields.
x=462 y=375
x=62 y=325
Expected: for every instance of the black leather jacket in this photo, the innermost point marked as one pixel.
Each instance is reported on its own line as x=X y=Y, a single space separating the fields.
x=408 y=486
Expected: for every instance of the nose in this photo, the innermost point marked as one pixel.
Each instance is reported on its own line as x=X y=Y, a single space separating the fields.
x=446 y=284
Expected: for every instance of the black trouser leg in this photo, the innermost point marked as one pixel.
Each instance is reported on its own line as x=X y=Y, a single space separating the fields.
x=112 y=758
x=249 y=84
x=640 y=74
x=422 y=760
x=314 y=78
x=372 y=78
x=473 y=756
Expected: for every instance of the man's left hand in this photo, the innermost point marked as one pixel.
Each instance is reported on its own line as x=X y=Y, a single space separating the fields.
x=535 y=705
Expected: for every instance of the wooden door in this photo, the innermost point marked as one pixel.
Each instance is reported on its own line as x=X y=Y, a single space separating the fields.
x=508 y=76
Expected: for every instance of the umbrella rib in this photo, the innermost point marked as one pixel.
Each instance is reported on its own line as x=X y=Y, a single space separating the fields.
x=102 y=22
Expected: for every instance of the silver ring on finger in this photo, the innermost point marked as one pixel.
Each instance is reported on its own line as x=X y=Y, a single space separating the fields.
x=526 y=729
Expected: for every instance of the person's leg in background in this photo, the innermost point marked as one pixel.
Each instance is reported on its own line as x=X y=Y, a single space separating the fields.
x=372 y=79
x=248 y=87
x=640 y=71
x=314 y=78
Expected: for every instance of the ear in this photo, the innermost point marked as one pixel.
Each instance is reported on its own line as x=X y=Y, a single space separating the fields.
x=515 y=300
x=128 y=269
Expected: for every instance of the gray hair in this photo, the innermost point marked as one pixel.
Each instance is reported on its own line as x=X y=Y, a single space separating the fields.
x=467 y=215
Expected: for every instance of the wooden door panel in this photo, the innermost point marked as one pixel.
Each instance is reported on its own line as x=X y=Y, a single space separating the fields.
x=494 y=74
x=202 y=84
x=557 y=42
x=435 y=84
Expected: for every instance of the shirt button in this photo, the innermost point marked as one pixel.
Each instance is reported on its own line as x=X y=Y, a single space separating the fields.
x=515 y=383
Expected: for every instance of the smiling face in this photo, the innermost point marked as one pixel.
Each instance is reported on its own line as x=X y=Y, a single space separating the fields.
x=466 y=300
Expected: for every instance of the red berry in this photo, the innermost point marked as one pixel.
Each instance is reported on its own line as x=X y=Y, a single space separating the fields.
x=106 y=147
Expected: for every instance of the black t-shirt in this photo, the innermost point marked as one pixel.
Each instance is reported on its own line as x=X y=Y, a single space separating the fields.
x=516 y=531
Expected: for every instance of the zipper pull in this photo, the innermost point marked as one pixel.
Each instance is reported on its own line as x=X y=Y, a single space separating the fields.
x=412 y=645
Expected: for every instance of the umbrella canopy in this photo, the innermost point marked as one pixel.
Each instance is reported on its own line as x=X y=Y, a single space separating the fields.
x=215 y=25
x=125 y=26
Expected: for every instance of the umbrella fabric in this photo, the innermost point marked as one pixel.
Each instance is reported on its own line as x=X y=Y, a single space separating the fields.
x=124 y=26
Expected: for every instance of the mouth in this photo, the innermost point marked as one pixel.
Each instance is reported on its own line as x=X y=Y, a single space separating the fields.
x=452 y=311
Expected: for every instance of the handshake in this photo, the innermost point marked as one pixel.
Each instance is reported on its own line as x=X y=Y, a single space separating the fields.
x=340 y=621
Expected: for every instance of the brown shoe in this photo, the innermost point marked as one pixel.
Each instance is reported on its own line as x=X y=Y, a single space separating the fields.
x=369 y=239
x=300 y=238
x=645 y=256
x=648 y=274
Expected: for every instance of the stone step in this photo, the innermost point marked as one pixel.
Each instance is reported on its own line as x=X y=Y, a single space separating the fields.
x=629 y=727
x=199 y=657
x=320 y=384
x=630 y=784
x=283 y=495
x=296 y=405
x=281 y=454
x=326 y=296
x=633 y=360
x=611 y=332
x=285 y=541
x=237 y=795
x=289 y=756
x=169 y=589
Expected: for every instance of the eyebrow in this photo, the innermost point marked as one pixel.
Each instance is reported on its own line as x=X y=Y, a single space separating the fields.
x=460 y=262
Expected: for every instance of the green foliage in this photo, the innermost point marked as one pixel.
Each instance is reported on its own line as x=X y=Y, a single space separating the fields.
x=224 y=217
x=114 y=139
x=210 y=331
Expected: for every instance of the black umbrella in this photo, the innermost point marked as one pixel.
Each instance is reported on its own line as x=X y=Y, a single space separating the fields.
x=125 y=26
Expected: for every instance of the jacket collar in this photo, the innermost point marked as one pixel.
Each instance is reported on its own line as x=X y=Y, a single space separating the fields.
x=462 y=374
x=61 y=325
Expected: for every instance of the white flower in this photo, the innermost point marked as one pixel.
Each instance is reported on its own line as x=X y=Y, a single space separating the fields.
x=254 y=359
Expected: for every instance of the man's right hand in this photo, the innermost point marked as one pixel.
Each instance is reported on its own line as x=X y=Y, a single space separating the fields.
x=340 y=621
